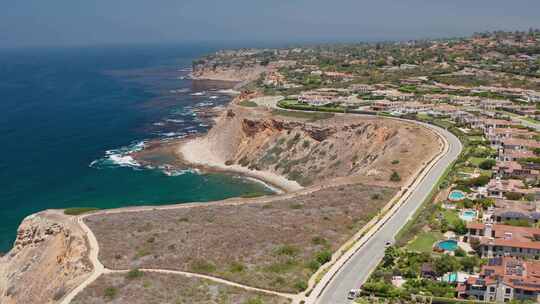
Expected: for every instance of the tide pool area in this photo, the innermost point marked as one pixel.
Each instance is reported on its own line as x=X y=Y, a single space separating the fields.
x=71 y=116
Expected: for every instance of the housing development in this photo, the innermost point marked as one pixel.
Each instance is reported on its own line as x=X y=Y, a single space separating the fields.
x=397 y=172
x=477 y=237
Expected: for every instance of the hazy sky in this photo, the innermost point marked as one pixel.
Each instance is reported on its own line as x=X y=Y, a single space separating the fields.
x=75 y=22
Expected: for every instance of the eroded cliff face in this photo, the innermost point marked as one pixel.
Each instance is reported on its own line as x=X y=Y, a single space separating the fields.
x=49 y=258
x=313 y=152
x=307 y=153
x=227 y=73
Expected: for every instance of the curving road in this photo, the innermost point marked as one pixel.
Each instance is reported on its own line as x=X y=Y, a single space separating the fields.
x=358 y=268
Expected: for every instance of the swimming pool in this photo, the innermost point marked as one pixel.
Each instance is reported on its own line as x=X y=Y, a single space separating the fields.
x=448 y=245
x=456 y=195
x=468 y=215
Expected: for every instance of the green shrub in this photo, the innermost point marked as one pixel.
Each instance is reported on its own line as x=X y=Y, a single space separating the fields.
x=134 y=274
x=487 y=164
x=248 y=103
x=317 y=240
x=301 y=285
x=79 y=210
x=253 y=194
x=287 y=250
x=460 y=252
x=111 y=292
x=395 y=177
x=256 y=300
x=236 y=267
x=314 y=265
x=203 y=266
x=375 y=196
x=514 y=196
x=460 y=227
x=518 y=222
x=395 y=162
x=324 y=256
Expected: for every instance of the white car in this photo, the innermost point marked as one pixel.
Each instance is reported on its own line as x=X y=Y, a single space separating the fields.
x=353 y=294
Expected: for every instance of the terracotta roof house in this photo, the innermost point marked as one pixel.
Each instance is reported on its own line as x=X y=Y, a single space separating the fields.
x=499 y=187
x=514 y=155
x=519 y=144
x=490 y=123
x=495 y=240
x=504 y=279
x=505 y=210
x=513 y=169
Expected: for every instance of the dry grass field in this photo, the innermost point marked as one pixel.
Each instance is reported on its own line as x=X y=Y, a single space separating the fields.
x=158 y=288
x=276 y=245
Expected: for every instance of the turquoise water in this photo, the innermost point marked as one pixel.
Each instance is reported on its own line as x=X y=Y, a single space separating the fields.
x=448 y=245
x=468 y=215
x=456 y=195
x=451 y=277
x=68 y=115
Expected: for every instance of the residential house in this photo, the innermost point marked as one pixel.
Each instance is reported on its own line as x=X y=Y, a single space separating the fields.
x=496 y=240
x=504 y=279
x=505 y=210
x=514 y=170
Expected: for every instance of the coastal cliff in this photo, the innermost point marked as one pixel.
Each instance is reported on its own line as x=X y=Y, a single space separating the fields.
x=49 y=258
x=309 y=152
x=206 y=71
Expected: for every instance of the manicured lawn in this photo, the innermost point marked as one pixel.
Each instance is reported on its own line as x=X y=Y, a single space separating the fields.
x=476 y=160
x=476 y=138
x=451 y=216
x=424 y=241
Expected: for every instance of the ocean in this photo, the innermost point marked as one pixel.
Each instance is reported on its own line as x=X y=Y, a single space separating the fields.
x=68 y=118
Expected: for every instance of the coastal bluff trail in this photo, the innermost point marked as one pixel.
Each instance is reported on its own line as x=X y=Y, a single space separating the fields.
x=335 y=173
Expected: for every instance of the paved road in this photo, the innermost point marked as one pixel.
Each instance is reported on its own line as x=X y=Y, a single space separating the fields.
x=356 y=271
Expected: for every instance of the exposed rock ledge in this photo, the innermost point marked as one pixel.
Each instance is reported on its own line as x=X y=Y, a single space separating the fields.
x=48 y=259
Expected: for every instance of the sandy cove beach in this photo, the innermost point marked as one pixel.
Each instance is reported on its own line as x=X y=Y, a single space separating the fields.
x=199 y=152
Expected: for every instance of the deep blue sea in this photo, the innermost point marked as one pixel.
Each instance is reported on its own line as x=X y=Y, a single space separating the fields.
x=68 y=116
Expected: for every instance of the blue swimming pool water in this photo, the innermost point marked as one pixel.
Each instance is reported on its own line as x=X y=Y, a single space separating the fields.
x=456 y=195
x=448 y=245
x=468 y=215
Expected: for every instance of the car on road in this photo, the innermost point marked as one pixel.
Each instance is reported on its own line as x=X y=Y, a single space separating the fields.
x=353 y=294
x=388 y=244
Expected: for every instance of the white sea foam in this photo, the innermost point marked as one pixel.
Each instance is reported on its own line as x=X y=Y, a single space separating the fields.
x=174 y=120
x=214 y=97
x=204 y=104
x=119 y=157
x=180 y=91
x=123 y=160
x=266 y=185
x=175 y=172
x=198 y=93
x=229 y=92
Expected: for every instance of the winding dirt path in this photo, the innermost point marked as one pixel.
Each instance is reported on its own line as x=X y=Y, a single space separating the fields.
x=338 y=260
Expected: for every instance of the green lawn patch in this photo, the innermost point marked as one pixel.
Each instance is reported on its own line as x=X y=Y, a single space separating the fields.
x=451 y=216
x=311 y=116
x=424 y=241
x=79 y=210
x=248 y=103
x=476 y=160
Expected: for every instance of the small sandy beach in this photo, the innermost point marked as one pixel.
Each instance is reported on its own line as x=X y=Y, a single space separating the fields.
x=199 y=152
